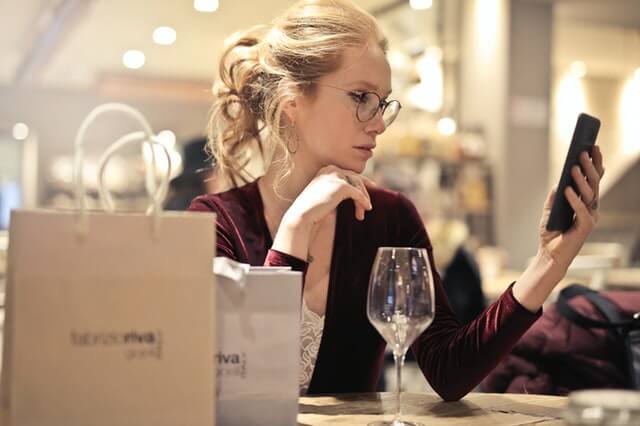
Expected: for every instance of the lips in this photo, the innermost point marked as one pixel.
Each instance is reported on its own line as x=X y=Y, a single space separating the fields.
x=369 y=147
x=367 y=150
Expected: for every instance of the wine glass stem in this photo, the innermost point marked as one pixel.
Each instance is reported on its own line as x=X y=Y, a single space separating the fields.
x=399 y=361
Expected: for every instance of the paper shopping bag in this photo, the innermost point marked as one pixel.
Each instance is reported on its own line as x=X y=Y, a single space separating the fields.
x=110 y=317
x=258 y=344
x=116 y=328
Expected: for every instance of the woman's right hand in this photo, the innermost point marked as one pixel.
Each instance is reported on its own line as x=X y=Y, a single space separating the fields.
x=330 y=187
x=327 y=189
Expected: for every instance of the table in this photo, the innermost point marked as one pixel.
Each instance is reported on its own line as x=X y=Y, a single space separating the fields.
x=428 y=409
x=477 y=409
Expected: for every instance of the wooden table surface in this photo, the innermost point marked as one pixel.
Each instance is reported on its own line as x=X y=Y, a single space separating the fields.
x=428 y=409
x=482 y=409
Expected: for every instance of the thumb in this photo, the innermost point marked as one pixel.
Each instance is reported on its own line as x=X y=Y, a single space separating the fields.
x=550 y=197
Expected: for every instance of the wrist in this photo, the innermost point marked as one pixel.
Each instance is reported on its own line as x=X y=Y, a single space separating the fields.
x=296 y=223
x=293 y=237
x=537 y=281
x=548 y=266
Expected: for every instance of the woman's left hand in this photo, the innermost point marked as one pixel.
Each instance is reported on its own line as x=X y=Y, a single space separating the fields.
x=562 y=248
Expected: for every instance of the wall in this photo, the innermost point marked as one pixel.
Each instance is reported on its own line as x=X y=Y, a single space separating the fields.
x=505 y=91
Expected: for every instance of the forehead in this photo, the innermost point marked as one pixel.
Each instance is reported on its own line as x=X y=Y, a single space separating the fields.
x=364 y=64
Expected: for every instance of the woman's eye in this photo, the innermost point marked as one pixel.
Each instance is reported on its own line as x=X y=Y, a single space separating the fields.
x=356 y=96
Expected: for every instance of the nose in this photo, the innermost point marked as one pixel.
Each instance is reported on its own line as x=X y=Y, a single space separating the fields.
x=376 y=124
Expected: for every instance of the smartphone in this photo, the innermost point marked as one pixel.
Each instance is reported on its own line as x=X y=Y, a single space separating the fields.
x=584 y=137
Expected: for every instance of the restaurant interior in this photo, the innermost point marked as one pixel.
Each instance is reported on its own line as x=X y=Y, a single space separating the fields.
x=490 y=93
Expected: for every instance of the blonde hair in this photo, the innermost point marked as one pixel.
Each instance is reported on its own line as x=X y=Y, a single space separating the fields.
x=265 y=67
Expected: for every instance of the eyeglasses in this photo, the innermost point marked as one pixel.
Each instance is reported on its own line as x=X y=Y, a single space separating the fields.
x=369 y=103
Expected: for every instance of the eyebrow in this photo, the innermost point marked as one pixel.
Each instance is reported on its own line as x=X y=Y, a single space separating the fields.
x=367 y=85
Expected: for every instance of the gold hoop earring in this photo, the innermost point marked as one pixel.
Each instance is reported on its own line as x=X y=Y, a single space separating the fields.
x=297 y=140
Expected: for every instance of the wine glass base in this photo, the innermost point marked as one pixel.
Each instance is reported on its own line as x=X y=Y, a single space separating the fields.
x=392 y=423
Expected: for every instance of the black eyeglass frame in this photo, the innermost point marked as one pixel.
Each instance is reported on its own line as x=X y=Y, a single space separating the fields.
x=360 y=96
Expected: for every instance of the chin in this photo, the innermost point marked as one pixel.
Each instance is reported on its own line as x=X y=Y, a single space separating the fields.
x=354 y=166
x=359 y=169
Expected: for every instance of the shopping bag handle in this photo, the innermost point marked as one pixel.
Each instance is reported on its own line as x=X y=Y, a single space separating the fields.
x=154 y=191
x=156 y=197
x=78 y=181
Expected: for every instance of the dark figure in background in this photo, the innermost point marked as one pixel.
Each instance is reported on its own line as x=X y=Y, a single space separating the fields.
x=463 y=285
x=196 y=178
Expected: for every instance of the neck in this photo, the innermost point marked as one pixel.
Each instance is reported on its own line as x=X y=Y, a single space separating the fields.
x=288 y=189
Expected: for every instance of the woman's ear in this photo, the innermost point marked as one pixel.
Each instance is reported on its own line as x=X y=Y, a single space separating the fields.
x=290 y=109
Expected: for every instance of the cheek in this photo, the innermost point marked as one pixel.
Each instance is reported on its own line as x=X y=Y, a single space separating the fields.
x=332 y=128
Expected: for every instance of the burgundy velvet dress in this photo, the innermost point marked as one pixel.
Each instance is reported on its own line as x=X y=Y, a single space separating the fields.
x=453 y=358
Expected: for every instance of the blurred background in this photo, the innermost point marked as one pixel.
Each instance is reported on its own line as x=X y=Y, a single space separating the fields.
x=490 y=89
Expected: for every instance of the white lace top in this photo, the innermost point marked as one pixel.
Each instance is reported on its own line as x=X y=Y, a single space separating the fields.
x=310 y=335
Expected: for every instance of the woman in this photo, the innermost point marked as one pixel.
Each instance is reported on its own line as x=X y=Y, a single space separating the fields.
x=312 y=93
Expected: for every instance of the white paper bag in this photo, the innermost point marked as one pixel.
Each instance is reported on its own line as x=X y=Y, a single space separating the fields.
x=258 y=341
x=110 y=318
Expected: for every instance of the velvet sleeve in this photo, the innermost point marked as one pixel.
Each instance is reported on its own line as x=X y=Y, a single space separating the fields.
x=455 y=358
x=229 y=240
x=224 y=229
x=278 y=258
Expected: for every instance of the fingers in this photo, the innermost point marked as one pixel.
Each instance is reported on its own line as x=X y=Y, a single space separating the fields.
x=548 y=203
x=596 y=157
x=363 y=180
x=592 y=168
x=586 y=191
x=358 y=192
x=361 y=200
x=546 y=211
x=588 y=168
x=584 y=217
x=354 y=187
x=369 y=181
x=357 y=181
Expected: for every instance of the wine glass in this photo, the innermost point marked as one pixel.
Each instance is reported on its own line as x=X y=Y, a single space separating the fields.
x=400 y=304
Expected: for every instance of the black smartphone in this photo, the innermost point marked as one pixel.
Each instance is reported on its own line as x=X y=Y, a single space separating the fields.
x=584 y=137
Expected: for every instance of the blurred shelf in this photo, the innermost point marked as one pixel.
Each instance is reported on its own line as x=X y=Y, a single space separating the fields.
x=623 y=279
